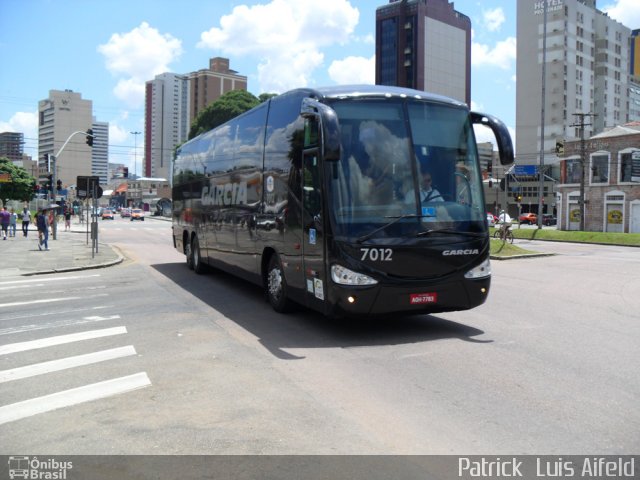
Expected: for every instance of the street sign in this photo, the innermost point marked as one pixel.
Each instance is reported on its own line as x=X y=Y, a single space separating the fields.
x=5 y=177
x=85 y=186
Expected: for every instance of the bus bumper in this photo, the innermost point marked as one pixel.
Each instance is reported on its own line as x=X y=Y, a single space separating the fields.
x=461 y=294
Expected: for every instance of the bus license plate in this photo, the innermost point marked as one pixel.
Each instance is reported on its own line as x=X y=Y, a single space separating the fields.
x=422 y=298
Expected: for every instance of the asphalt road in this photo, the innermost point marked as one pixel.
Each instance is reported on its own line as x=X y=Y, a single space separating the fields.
x=201 y=364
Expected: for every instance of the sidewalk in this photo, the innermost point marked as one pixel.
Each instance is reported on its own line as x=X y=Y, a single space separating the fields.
x=69 y=252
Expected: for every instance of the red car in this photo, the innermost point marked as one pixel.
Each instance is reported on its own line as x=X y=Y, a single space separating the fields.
x=528 y=218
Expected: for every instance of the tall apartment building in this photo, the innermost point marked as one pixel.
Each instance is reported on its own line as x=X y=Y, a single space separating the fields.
x=60 y=115
x=634 y=81
x=426 y=45
x=100 y=151
x=166 y=122
x=208 y=85
x=12 y=146
x=587 y=58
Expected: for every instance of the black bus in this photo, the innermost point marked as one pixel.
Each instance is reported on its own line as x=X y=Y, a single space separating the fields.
x=320 y=196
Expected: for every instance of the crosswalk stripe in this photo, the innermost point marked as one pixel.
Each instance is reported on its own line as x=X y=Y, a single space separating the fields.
x=65 y=363
x=57 y=324
x=60 y=339
x=74 y=396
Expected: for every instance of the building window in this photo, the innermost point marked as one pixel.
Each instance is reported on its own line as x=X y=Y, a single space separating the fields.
x=600 y=168
x=573 y=171
x=626 y=165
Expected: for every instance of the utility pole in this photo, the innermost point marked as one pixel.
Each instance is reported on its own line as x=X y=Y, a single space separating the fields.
x=583 y=162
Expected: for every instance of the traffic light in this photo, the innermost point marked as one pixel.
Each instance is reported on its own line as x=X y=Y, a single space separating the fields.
x=59 y=184
x=519 y=198
x=49 y=183
x=90 y=137
x=559 y=147
x=46 y=160
x=125 y=172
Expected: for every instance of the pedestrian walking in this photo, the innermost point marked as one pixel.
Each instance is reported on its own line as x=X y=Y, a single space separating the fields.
x=42 y=222
x=26 y=220
x=13 y=221
x=5 y=218
x=67 y=219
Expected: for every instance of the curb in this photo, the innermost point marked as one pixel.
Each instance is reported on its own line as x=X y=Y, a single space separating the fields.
x=110 y=263
x=524 y=255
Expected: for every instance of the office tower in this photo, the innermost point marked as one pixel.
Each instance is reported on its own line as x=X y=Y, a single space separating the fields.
x=207 y=85
x=60 y=115
x=587 y=58
x=166 y=123
x=100 y=151
x=426 y=45
x=12 y=146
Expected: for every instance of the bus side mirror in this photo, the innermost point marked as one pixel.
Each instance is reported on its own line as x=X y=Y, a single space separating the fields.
x=499 y=129
x=328 y=125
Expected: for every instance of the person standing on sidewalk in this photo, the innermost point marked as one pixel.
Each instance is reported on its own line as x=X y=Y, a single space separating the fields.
x=42 y=222
x=13 y=221
x=67 y=219
x=5 y=218
x=26 y=219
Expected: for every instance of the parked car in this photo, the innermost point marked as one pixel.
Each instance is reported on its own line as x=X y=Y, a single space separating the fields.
x=548 y=219
x=528 y=218
x=107 y=214
x=491 y=219
x=137 y=214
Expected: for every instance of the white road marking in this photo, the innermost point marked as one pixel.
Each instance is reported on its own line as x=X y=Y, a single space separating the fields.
x=74 y=396
x=52 y=279
x=60 y=339
x=50 y=300
x=59 y=323
x=65 y=363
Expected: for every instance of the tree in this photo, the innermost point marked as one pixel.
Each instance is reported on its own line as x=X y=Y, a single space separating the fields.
x=228 y=106
x=19 y=185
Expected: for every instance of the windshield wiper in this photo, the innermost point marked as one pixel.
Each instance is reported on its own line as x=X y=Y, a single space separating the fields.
x=449 y=231
x=395 y=220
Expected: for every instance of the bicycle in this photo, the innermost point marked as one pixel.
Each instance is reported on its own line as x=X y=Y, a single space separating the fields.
x=504 y=233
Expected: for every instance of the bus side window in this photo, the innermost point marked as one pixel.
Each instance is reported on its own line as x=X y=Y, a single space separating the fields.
x=311 y=132
x=311 y=185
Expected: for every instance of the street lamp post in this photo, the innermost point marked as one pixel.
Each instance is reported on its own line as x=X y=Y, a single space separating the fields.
x=135 y=153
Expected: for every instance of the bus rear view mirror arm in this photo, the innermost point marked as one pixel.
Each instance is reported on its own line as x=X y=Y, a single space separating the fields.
x=499 y=129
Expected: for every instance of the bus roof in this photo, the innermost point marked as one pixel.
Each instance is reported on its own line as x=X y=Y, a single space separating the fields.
x=354 y=91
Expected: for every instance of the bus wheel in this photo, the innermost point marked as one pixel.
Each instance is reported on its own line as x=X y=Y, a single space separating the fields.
x=196 y=259
x=189 y=254
x=276 y=286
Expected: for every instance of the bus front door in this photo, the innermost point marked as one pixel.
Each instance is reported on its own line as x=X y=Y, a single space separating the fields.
x=313 y=231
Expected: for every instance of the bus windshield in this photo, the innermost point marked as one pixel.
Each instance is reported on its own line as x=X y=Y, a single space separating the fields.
x=407 y=167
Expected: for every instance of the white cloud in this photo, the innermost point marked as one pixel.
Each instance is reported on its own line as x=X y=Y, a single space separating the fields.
x=626 y=12
x=353 y=70
x=138 y=56
x=493 y=19
x=501 y=56
x=285 y=36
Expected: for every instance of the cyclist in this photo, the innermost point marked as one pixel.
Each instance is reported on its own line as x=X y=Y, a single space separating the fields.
x=505 y=223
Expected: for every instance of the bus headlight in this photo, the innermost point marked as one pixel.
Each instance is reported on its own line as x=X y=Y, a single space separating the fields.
x=481 y=271
x=344 y=276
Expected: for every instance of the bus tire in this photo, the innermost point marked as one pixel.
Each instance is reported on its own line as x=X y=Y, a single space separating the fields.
x=276 y=286
x=188 y=253
x=196 y=258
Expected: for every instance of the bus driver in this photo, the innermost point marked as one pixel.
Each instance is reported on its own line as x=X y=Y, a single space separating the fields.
x=427 y=192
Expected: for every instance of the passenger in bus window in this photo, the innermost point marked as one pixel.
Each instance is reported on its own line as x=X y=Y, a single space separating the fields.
x=463 y=191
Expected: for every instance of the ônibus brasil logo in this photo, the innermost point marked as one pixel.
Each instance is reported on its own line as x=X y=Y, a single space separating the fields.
x=33 y=468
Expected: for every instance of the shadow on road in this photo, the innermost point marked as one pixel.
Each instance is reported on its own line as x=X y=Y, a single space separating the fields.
x=244 y=303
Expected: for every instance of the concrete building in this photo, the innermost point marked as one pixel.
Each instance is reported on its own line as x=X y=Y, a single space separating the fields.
x=100 y=151
x=587 y=58
x=611 y=183
x=60 y=115
x=12 y=146
x=167 y=122
x=207 y=85
x=426 y=45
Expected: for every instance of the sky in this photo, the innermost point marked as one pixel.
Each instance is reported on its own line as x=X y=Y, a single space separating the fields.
x=107 y=50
